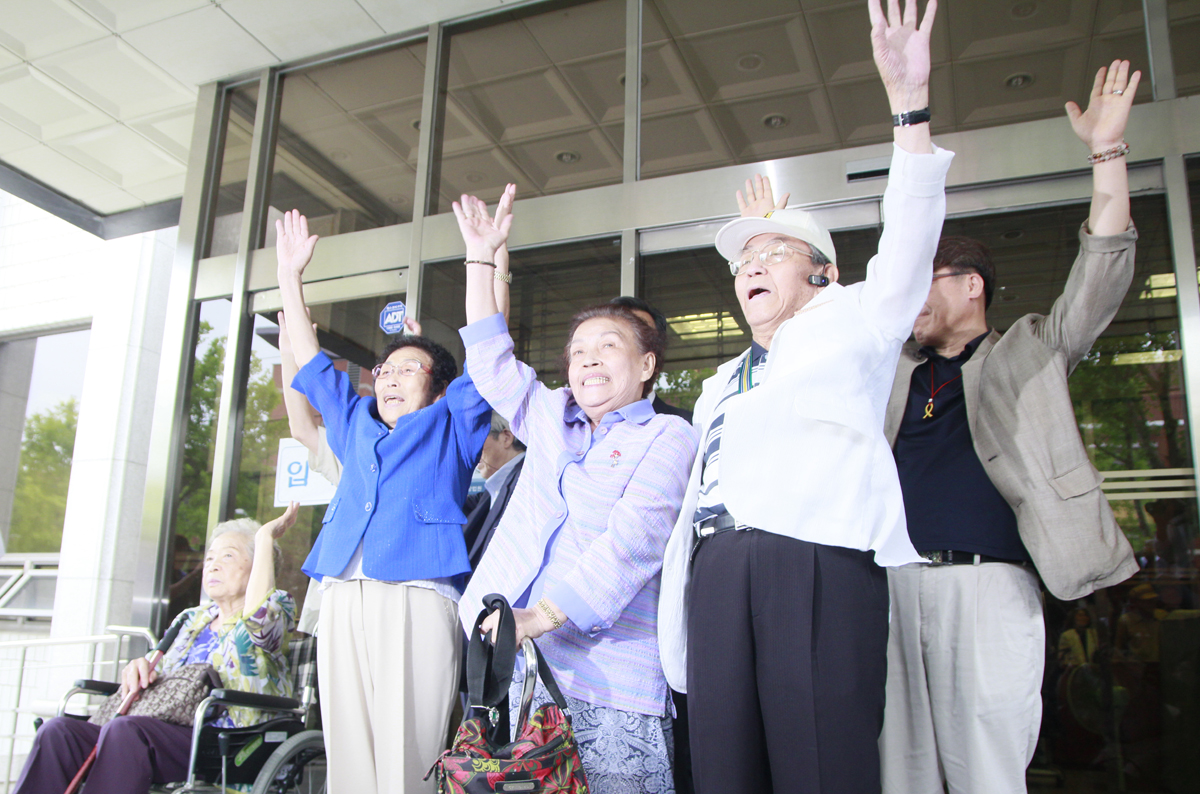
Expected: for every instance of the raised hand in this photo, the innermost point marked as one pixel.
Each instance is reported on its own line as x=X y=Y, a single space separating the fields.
x=293 y=244
x=758 y=200
x=412 y=327
x=1102 y=125
x=274 y=529
x=901 y=51
x=482 y=233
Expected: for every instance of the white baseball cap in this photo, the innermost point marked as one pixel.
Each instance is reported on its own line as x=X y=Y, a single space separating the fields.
x=733 y=236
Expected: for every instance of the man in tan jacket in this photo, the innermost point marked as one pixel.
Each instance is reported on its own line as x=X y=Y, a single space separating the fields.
x=998 y=490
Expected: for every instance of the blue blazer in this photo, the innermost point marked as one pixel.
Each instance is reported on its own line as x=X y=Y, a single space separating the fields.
x=401 y=492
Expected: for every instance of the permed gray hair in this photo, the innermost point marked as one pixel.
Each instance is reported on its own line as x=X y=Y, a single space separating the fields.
x=245 y=529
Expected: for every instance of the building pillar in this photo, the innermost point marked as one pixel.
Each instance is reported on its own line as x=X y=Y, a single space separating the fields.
x=16 y=368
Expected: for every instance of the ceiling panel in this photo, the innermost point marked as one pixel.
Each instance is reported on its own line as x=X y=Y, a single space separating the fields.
x=684 y=17
x=35 y=28
x=59 y=172
x=117 y=79
x=561 y=36
x=482 y=174
x=981 y=29
x=863 y=115
x=296 y=28
x=121 y=156
x=1114 y=16
x=41 y=107
x=843 y=50
x=592 y=161
x=754 y=131
x=599 y=84
x=682 y=142
x=1129 y=46
x=13 y=140
x=983 y=95
x=397 y=126
x=524 y=106
x=752 y=60
x=399 y=17
x=123 y=15
x=460 y=133
x=159 y=189
x=111 y=201
x=1184 y=35
x=172 y=130
x=668 y=85
x=7 y=59
x=200 y=46
x=377 y=79
x=350 y=147
x=492 y=52
x=305 y=106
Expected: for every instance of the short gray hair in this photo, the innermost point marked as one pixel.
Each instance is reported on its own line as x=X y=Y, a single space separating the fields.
x=246 y=529
x=819 y=259
x=499 y=425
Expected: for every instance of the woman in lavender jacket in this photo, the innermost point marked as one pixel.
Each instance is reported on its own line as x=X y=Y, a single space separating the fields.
x=579 y=549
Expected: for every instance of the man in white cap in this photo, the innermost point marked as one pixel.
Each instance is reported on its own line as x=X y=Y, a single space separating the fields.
x=773 y=614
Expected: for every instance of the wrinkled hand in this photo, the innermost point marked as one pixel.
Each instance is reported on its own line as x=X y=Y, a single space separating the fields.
x=274 y=529
x=412 y=327
x=531 y=623
x=482 y=233
x=1102 y=125
x=138 y=675
x=758 y=200
x=901 y=51
x=293 y=244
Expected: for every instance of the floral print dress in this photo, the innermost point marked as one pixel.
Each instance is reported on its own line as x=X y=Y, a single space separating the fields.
x=250 y=653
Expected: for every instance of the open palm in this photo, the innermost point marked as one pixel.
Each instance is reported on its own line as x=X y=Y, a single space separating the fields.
x=482 y=233
x=900 y=46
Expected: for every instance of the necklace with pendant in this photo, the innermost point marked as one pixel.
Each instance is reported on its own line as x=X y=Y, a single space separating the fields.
x=933 y=392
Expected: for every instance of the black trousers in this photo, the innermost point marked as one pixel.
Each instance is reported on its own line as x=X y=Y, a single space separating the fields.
x=787 y=661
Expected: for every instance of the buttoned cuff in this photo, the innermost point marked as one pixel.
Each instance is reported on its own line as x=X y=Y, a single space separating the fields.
x=483 y=330
x=1107 y=244
x=919 y=174
x=576 y=609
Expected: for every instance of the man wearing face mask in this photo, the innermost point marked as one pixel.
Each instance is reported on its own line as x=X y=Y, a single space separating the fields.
x=998 y=490
x=780 y=637
x=391 y=543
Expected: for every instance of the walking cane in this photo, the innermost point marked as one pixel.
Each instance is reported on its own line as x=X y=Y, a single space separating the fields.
x=155 y=657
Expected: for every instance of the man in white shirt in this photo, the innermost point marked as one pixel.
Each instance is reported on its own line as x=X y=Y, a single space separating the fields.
x=501 y=462
x=780 y=636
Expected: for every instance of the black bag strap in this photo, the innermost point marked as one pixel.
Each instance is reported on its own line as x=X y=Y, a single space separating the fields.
x=490 y=667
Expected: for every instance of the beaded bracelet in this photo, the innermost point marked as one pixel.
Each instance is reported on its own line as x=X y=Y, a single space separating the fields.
x=479 y=262
x=548 y=612
x=1120 y=150
x=505 y=277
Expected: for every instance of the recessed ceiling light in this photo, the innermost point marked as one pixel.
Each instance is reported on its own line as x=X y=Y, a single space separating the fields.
x=568 y=157
x=774 y=121
x=474 y=177
x=1013 y=234
x=416 y=124
x=339 y=155
x=1024 y=10
x=645 y=80
x=750 y=62
x=1019 y=80
x=395 y=199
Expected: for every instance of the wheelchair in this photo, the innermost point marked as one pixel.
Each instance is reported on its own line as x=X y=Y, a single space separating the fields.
x=283 y=755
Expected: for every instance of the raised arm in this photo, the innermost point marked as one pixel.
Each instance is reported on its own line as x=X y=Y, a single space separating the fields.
x=293 y=250
x=901 y=51
x=262 y=570
x=301 y=423
x=1102 y=129
x=484 y=236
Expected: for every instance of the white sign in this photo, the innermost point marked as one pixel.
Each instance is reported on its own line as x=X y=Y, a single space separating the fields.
x=295 y=481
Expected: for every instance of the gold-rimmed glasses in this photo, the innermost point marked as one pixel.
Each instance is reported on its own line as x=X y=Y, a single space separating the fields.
x=770 y=254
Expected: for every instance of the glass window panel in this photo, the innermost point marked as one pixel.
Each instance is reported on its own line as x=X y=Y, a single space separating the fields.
x=535 y=99
x=346 y=154
x=235 y=169
x=761 y=79
x=191 y=513
x=51 y=368
x=1185 y=31
x=549 y=286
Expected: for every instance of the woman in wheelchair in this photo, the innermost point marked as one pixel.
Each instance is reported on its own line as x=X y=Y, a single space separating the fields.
x=242 y=633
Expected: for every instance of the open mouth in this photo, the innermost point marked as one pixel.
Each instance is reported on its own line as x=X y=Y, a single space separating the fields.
x=596 y=380
x=757 y=291
x=392 y=399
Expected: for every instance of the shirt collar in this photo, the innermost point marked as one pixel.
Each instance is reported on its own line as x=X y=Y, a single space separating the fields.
x=963 y=357
x=493 y=483
x=641 y=412
x=757 y=353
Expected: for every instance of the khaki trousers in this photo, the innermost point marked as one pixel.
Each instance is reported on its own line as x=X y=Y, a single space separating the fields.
x=387 y=664
x=965 y=657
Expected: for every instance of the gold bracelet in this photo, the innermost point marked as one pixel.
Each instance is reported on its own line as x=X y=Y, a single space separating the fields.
x=548 y=612
x=1120 y=150
x=505 y=277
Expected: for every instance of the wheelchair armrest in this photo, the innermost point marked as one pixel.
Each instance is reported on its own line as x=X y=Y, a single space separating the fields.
x=97 y=687
x=234 y=697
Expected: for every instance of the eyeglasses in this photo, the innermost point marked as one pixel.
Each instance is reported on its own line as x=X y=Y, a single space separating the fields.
x=772 y=254
x=936 y=276
x=405 y=369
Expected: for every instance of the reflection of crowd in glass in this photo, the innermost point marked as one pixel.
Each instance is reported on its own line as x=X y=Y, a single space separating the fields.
x=754 y=555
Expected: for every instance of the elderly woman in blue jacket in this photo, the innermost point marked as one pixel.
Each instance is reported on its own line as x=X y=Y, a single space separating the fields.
x=390 y=545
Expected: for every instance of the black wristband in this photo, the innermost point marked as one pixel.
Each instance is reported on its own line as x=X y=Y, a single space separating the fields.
x=912 y=117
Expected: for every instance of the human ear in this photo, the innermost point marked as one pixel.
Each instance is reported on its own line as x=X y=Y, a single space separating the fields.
x=648 y=363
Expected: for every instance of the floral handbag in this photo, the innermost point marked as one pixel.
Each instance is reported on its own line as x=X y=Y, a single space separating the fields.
x=544 y=759
x=171 y=698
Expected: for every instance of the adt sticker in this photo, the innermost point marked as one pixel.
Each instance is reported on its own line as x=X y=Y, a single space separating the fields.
x=391 y=319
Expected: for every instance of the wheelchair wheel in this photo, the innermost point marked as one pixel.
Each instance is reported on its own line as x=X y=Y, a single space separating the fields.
x=296 y=767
